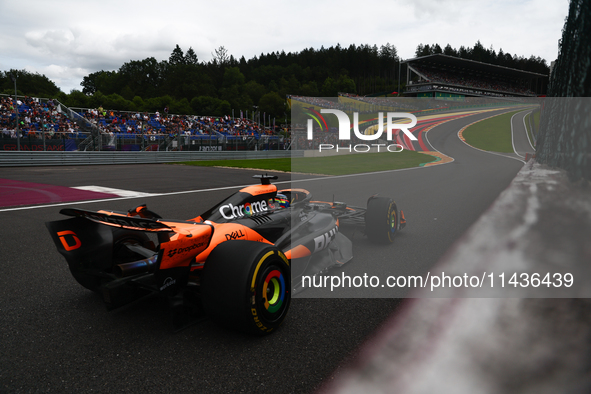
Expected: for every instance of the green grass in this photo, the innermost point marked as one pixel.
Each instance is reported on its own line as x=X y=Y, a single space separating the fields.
x=492 y=134
x=331 y=165
x=536 y=122
x=527 y=128
x=262 y=164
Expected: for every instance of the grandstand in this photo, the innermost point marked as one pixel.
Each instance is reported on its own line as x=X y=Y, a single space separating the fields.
x=46 y=124
x=446 y=77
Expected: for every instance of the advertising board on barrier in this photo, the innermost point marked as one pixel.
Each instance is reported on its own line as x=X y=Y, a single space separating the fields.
x=38 y=145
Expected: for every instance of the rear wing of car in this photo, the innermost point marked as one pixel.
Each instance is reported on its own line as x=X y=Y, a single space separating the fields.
x=120 y=220
x=87 y=242
x=177 y=237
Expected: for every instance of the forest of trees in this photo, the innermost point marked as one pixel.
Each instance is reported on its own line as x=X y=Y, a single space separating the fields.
x=481 y=54
x=190 y=86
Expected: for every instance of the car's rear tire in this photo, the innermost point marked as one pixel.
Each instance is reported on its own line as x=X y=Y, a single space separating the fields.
x=246 y=285
x=120 y=255
x=381 y=220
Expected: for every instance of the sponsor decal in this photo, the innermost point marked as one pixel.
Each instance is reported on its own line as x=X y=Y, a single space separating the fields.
x=322 y=241
x=174 y=251
x=28 y=146
x=230 y=211
x=235 y=235
x=68 y=247
x=258 y=323
x=167 y=283
x=211 y=148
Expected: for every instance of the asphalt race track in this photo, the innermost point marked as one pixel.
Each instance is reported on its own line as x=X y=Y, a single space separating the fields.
x=56 y=336
x=521 y=142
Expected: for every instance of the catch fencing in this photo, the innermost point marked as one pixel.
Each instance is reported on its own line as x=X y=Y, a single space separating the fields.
x=565 y=129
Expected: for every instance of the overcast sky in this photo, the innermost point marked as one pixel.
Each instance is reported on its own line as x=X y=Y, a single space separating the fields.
x=69 y=39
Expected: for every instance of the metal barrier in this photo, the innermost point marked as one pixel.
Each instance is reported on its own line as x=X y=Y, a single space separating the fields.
x=59 y=141
x=30 y=159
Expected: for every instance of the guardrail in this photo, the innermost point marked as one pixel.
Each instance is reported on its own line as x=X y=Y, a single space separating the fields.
x=31 y=159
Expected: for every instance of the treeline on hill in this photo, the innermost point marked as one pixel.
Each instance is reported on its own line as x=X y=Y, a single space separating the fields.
x=216 y=87
x=481 y=54
x=30 y=84
x=188 y=86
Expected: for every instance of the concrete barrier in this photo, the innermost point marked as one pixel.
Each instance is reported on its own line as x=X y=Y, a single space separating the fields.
x=464 y=344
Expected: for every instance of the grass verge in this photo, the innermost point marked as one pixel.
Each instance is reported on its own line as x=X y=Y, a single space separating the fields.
x=528 y=128
x=261 y=164
x=331 y=165
x=492 y=134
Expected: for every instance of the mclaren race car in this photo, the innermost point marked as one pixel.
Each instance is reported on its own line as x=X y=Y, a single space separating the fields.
x=239 y=262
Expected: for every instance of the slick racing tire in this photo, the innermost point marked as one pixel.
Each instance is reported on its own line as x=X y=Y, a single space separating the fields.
x=381 y=220
x=120 y=255
x=246 y=285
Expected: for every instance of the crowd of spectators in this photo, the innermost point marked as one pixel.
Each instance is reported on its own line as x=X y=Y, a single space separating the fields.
x=477 y=82
x=121 y=122
x=42 y=118
x=36 y=119
x=238 y=126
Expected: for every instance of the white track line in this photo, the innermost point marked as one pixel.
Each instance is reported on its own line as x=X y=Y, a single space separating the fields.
x=512 y=135
x=110 y=190
x=492 y=153
x=148 y=195
x=425 y=134
x=527 y=132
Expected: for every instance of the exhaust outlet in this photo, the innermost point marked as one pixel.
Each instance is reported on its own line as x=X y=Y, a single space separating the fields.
x=135 y=267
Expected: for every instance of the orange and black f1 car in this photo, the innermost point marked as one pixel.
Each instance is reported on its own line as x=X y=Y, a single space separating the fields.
x=239 y=262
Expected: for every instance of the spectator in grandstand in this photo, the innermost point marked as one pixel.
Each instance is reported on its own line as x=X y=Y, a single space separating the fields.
x=496 y=84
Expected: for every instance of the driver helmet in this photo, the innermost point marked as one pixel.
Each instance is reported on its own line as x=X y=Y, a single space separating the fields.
x=282 y=201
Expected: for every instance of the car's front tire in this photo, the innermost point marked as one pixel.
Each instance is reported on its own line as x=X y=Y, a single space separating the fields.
x=381 y=220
